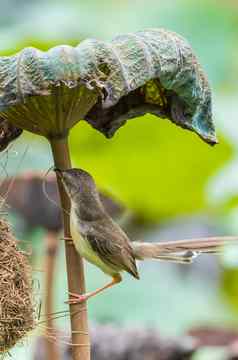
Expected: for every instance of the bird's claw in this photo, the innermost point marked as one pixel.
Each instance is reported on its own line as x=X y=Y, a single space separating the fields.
x=76 y=298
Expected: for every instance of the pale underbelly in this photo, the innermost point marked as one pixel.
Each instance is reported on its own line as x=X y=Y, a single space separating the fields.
x=83 y=247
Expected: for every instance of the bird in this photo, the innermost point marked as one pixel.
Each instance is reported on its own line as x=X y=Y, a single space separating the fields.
x=102 y=242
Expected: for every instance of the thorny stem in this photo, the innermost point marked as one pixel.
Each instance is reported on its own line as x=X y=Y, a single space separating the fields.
x=74 y=264
x=51 y=247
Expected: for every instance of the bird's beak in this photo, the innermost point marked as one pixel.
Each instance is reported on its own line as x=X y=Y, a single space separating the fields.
x=67 y=180
x=63 y=175
x=58 y=172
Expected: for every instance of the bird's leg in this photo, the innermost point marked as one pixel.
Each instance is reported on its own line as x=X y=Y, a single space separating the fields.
x=76 y=298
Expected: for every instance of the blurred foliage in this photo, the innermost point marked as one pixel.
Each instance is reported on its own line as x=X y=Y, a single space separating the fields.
x=212 y=37
x=211 y=353
x=229 y=283
x=156 y=168
x=230 y=287
x=37 y=43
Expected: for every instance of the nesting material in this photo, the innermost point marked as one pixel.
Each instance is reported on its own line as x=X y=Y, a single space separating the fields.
x=17 y=315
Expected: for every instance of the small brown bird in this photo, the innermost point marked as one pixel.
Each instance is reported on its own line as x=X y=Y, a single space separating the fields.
x=103 y=243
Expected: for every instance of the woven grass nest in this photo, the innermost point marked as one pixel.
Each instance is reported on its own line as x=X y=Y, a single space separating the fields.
x=17 y=315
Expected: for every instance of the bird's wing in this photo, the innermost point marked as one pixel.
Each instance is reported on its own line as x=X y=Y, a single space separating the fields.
x=112 y=246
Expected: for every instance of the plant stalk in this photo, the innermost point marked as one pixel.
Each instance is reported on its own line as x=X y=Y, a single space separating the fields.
x=51 y=249
x=74 y=263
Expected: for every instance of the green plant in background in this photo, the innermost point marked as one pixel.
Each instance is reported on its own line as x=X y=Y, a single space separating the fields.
x=166 y=169
x=154 y=71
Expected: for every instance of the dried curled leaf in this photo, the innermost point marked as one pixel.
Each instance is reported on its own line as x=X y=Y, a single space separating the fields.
x=154 y=71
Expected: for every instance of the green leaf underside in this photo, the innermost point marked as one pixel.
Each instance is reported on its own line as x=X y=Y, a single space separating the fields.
x=52 y=115
x=106 y=83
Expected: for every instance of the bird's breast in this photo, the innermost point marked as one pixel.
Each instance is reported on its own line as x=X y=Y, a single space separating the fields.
x=83 y=246
x=80 y=242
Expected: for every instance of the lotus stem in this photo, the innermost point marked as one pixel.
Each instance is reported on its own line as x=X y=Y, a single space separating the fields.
x=74 y=264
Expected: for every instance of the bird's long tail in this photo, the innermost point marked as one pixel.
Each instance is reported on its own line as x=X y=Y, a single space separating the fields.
x=181 y=251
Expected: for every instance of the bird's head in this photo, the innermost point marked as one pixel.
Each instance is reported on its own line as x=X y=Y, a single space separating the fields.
x=76 y=181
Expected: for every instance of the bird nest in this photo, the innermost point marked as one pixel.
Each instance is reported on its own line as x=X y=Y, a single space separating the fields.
x=17 y=315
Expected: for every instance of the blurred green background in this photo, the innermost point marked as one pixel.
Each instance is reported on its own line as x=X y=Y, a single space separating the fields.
x=175 y=185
